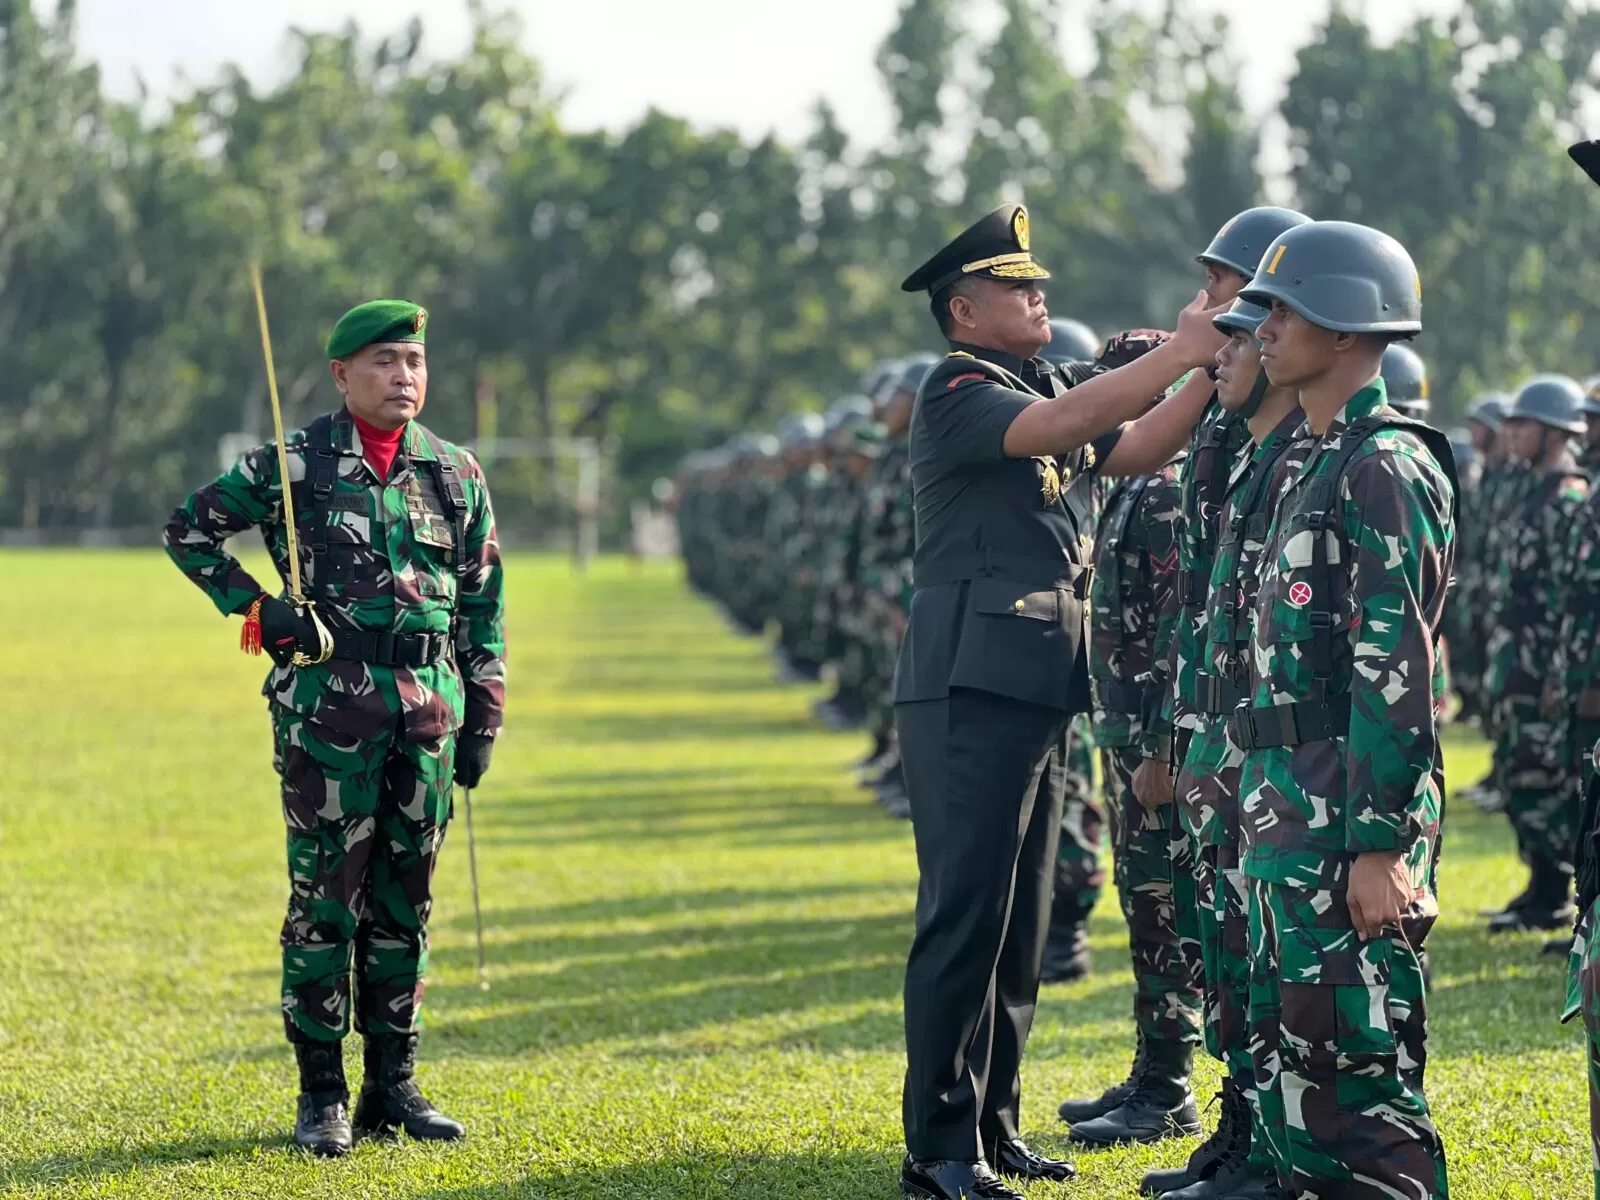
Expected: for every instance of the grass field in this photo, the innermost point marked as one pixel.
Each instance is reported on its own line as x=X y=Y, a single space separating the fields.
x=696 y=929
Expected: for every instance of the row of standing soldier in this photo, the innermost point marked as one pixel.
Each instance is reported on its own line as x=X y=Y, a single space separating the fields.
x=825 y=511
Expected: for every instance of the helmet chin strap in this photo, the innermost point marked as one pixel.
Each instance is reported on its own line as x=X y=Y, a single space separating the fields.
x=1257 y=393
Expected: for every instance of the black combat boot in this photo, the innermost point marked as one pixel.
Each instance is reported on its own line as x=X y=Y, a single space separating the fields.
x=1231 y=1139
x=1066 y=948
x=389 y=1098
x=1549 y=903
x=322 y=1122
x=1160 y=1107
x=892 y=793
x=1087 y=1109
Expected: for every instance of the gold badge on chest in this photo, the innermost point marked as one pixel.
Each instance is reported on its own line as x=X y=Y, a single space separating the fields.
x=1053 y=479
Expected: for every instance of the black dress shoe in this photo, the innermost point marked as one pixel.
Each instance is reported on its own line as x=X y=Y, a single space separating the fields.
x=390 y=1099
x=948 y=1179
x=1015 y=1160
x=1559 y=945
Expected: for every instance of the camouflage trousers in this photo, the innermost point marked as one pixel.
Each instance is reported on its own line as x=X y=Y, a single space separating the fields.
x=1338 y=1039
x=1166 y=983
x=1080 y=876
x=1538 y=783
x=1583 y=996
x=366 y=821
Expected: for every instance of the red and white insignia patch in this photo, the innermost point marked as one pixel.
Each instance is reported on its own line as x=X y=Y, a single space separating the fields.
x=1300 y=594
x=960 y=379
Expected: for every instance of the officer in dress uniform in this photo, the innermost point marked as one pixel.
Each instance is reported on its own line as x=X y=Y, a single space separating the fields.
x=992 y=667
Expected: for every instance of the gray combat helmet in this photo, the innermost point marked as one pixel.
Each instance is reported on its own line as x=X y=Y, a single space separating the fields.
x=1240 y=243
x=880 y=373
x=1070 y=341
x=1591 y=397
x=847 y=413
x=916 y=370
x=1553 y=400
x=800 y=429
x=1490 y=411
x=1341 y=276
x=1245 y=317
x=1405 y=379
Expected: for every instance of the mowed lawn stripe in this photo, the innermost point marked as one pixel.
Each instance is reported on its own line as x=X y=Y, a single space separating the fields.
x=695 y=923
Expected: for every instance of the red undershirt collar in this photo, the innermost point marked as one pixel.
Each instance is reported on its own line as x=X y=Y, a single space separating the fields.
x=379 y=446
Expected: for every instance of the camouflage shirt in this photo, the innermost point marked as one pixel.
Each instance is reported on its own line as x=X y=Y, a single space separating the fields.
x=1522 y=635
x=393 y=545
x=1307 y=810
x=1133 y=603
x=1207 y=788
x=1576 y=603
x=1218 y=440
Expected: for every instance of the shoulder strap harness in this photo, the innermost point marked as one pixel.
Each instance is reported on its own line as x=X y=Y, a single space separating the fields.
x=1324 y=716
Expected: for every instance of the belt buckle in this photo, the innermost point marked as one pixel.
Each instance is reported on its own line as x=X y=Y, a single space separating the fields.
x=1244 y=728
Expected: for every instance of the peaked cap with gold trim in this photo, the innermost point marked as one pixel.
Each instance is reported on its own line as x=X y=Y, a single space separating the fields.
x=995 y=247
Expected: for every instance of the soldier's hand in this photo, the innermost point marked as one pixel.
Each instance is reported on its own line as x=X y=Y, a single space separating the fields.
x=284 y=631
x=1152 y=784
x=1380 y=892
x=472 y=758
x=1550 y=699
x=1197 y=338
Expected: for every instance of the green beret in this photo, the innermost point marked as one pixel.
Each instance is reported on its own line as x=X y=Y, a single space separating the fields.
x=378 y=321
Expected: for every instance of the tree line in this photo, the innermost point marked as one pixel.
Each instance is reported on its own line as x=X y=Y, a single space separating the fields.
x=662 y=286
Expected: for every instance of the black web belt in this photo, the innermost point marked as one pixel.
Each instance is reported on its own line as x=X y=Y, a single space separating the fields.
x=1290 y=724
x=391 y=649
x=1218 y=694
x=1111 y=696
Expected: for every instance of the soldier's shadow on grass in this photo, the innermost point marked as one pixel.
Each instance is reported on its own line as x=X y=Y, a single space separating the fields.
x=678 y=987
x=80 y=1168
x=824 y=1175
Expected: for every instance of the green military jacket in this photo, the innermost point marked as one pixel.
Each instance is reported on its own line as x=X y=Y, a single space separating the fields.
x=1218 y=441
x=1133 y=603
x=1307 y=810
x=391 y=565
x=1207 y=786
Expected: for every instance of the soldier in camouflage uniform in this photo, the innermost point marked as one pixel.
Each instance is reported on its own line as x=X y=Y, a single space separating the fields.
x=1464 y=619
x=1133 y=596
x=1583 y=962
x=1342 y=784
x=852 y=445
x=1522 y=645
x=886 y=579
x=791 y=538
x=1216 y=442
x=401 y=563
x=1235 y=1158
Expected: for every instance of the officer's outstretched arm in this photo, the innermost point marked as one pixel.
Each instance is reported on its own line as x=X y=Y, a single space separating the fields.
x=1099 y=405
x=1151 y=442
x=481 y=645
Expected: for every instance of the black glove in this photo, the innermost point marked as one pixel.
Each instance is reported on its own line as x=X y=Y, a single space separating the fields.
x=472 y=758
x=284 y=631
x=1130 y=346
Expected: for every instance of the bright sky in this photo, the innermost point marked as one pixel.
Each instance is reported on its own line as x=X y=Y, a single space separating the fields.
x=753 y=64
